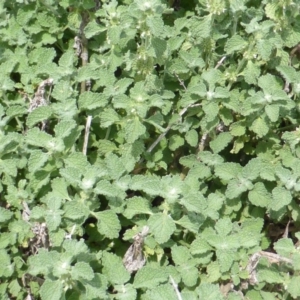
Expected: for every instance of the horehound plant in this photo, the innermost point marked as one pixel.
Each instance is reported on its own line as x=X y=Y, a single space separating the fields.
x=180 y=118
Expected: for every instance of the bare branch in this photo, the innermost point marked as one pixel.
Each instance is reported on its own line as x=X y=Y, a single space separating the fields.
x=86 y=134
x=175 y=286
x=220 y=62
x=180 y=81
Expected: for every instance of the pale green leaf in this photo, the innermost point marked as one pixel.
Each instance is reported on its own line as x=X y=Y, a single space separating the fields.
x=192 y=137
x=238 y=128
x=189 y=273
x=62 y=90
x=259 y=195
x=162 y=292
x=51 y=290
x=201 y=26
x=220 y=142
x=237 y=186
x=200 y=246
x=194 y=202
x=93 y=28
x=108 y=117
x=224 y=226
x=227 y=171
x=162 y=226
x=75 y=210
x=125 y=292
x=108 y=224
x=226 y=258
x=251 y=72
x=284 y=247
x=149 y=277
x=90 y=100
x=40 y=114
x=180 y=254
x=281 y=198
x=260 y=127
x=175 y=142
x=191 y=222
x=272 y=112
x=235 y=43
x=293 y=287
x=113 y=268
x=134 y=129
x=150 y=184
x=37 y=160
x=209 y=291
x=137 y=205
x=82 y=270
x=5 y=214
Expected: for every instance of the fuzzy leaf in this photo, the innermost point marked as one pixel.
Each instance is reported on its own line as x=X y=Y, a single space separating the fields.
x=149 y=277
x=51 y=289
x=136 y=205
x=108 y=223
x=113 y=268
x=162 y=226
x=281 y=197
x=259 y=195
x=220 y=142
x=90 y=100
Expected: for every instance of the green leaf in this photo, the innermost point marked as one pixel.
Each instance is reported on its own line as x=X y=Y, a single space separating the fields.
x=180 y=254
x=5 y=215
x=62 y=90
x=113 y=269
x=235 y=43
x=175 y=142
x=192 y=137
x=7 y=267
x=227 y=171
x=201 y=26
x=260 y=127
x=189 y=273
x=226 y=258
x=293 y=287
x=281 y=198
x=150 y=184
x=259 y=195
x=251 y=72
x=93 y=28
x=238 y=128
x=37 y=160
x=162 y=226
x=236 y=187
x=149 y=277
x=162 y=292
x=125 y=292
x=90 y=100
x=134 y=129
x=220 y=142
x=223 y=226
x=51 y=290
x=194 y=202
x=209 y=291
x=284 y=247
x=108 y=224
x=75 y=210
x=82 y=270
x=272 y=112
x=40 y=114
x=200 y=246
x=136 y=205
x=191 y=222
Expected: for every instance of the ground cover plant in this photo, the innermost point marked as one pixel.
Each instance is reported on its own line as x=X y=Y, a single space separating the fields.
x=149 y=149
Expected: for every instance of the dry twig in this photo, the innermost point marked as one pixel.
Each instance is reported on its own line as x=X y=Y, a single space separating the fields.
x=86 y=134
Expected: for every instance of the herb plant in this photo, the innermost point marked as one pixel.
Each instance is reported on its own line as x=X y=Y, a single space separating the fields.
x=179 y=118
